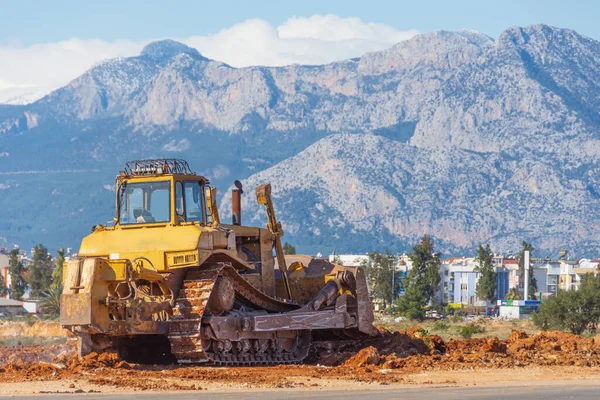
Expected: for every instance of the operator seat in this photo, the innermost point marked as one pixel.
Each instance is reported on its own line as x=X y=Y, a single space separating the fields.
x=142 y=216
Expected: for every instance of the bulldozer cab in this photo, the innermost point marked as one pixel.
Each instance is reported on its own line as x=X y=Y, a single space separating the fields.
x=161 y=192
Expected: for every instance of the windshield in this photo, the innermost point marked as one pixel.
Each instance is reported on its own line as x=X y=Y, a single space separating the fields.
x=145 y=202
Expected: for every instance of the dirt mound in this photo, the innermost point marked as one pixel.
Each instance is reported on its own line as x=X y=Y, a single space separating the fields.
x=364 y=360
x=545 y=348
x=399 y=344
x=33 y=353
x=516 y=335
x=494 y=345
x=415 y=350
x=367 y=356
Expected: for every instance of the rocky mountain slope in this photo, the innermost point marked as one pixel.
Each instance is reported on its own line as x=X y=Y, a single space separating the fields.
x=450 y=133
x=366 y=191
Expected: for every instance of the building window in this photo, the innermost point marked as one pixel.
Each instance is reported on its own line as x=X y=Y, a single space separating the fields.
x=446 y=273
x=463 y=286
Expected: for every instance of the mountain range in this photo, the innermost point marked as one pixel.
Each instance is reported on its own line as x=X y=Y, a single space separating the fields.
x=467 y=138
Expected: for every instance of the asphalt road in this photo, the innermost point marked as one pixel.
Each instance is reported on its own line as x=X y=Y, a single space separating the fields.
x=554 y=391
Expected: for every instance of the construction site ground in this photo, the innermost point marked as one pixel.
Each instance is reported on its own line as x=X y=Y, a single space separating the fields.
x=38 y=358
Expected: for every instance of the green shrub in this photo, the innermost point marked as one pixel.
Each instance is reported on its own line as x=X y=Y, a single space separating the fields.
x=468 y=331
x=421 y=332
x=414 y=313
x=440 y=326
x=573 y=311
x=31 y=319
x=392 y=310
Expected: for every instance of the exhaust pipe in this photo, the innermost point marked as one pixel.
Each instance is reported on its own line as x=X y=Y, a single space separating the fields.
x=236 y=204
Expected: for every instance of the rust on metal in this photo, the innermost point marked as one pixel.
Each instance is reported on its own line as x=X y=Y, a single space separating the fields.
x=236 y=207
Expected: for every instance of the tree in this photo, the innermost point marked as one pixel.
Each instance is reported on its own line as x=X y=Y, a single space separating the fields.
x=425 y=270
x=16 y=271
x=380 y=270
x=50 y=304
x=288 y=249
x=573 y=310
x=424 y=277
x=40 y=271
x=532 y=280
x=486 y=285
x=3 y=288
x=58 y=271
x=412 y=303
x=512 y=295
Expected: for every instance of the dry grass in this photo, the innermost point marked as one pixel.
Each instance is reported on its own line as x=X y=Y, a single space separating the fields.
x=450 y=328
x=38 y=329
x=14 y=333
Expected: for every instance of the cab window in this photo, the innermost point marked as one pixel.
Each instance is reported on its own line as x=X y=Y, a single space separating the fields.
x=194 y=201
x=179 y=206
x=144 y=202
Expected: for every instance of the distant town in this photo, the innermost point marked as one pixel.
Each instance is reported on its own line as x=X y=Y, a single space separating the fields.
x=459 y=279
x=458 y=276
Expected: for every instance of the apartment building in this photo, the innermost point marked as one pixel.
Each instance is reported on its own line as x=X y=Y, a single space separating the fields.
x=585 y=266
x=458 y=283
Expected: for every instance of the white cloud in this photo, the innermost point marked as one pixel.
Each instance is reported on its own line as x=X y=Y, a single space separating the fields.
x=27 y=72
x=174 y=145
x=32 y=71
x=315 y=40
x=220 y=171
x=334 y=28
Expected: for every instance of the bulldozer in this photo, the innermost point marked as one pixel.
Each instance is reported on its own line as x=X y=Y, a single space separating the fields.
x=167 y=280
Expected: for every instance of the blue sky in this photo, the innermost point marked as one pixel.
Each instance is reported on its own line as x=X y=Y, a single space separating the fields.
x=46 y=44
x=30 y=22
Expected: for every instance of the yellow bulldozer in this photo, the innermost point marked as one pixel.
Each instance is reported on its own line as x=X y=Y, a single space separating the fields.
x=169 y=282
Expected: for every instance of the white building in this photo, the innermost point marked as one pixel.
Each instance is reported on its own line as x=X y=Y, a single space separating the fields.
x=458 y=283
x=349 y=260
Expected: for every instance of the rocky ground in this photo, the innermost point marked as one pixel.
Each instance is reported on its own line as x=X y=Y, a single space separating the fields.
x=394 y=358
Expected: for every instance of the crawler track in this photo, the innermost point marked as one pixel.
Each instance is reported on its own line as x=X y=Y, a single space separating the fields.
x=194 y=340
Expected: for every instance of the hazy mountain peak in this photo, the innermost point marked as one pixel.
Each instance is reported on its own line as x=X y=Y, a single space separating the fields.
x=438 y=49
x=471 y=36
x=539 y=34
x=164 y=50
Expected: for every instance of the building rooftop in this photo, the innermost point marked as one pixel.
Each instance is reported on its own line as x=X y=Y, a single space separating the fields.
x=9 y=302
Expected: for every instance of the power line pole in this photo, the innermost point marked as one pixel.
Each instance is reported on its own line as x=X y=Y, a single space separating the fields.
x=393 y=270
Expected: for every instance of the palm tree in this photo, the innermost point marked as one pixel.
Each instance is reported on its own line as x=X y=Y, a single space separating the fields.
x=50 y=304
